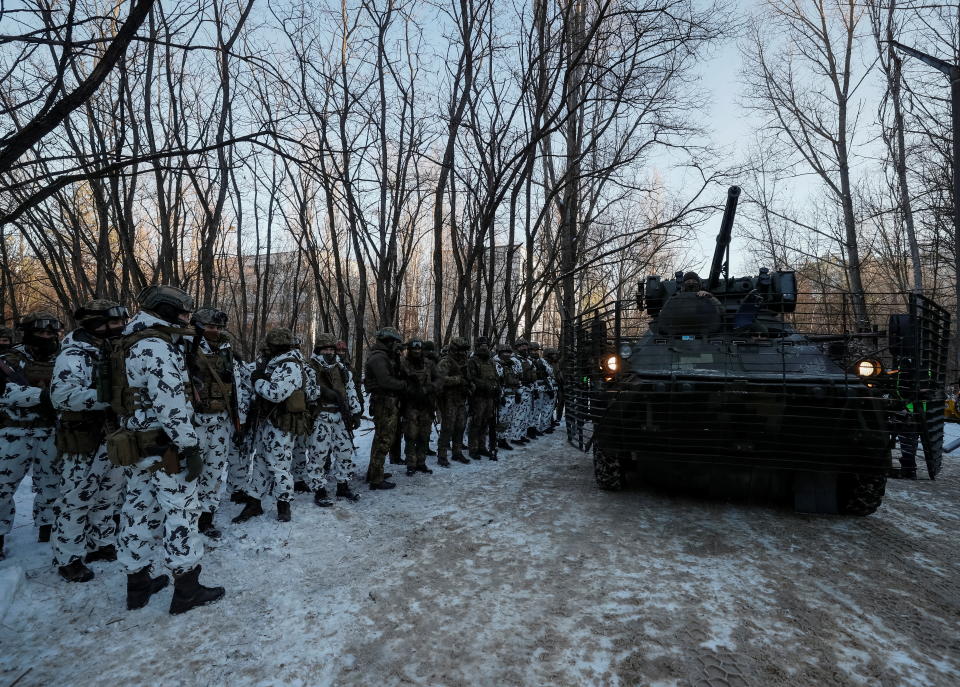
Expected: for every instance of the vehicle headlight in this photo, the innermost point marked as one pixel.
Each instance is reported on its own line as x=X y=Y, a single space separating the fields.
x=868 y=367
x=626 y=350
x=611 y=364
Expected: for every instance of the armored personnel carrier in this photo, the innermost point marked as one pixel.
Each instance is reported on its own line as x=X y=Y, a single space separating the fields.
x=749 y=376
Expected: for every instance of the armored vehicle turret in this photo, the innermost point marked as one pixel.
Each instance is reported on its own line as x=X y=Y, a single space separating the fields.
x=749 y=375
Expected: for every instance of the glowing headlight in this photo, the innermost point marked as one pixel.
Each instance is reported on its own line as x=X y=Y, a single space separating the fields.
x=869 y=368
x=626 y=350
x=611 y=363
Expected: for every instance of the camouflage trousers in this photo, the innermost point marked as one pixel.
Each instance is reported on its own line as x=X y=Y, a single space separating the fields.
x=91 y=492
x=215 y=432
x=453 y=422
x=159 y=508
x=386 y=421
x=272 y=468
x=239 y=459
x=543 y=409
x=419 y=422
x=521 y=414
x=481 y=417
x=332 y=453
x=23 y=450
x=507 y=410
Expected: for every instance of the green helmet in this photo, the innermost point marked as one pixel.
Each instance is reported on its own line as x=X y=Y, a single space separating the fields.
x=281 y=337
x=209 y=316
x=153 y=297
x=504 y=348
x=389 y=334
x=429 y=346
x=39 y=320
x=520 y=342
x=458 y=343
x=324 y=340
x=535 y=346
x=99 y=309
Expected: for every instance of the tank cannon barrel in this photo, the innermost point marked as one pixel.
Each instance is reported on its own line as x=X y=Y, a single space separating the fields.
x=723 y=238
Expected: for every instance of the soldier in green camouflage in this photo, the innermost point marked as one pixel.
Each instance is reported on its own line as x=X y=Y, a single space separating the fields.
x=456 y=387
x=382 y=380
x=483 y=373
x=420 y=376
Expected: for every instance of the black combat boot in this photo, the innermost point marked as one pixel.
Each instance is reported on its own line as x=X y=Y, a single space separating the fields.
x=522 y=441
x=484 y=452
x=411 y=471
x=189 y=593
x=301 y=487
x=239 y=496
x=344 y=492
x=493 y=457
x=382 y=485
x=205 y=525
x=320 y=498
x=549 y=430
x=252 y=509
x=283 y=511
x=104 y=553
x=532 y=432
x=504 y=444
x=2 y=554
x=443 y=462
x=43 y=535
x=75 y=571
x=460 y=458
x=425 y=469
x=140 y=587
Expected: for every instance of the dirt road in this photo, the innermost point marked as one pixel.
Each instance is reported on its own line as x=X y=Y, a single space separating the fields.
x=523 y=573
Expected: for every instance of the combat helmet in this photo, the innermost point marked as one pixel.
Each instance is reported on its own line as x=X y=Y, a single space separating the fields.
x=387 y=334
x=504 y=348
x=324 y=340
x=458 y=344
x=282 y=338
x=166 y=302
x=207 y=316
x=95 y=314
x=40 y=321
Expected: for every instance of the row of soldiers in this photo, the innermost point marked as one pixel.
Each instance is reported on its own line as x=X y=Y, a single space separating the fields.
x=495 y=401
x=131 y=427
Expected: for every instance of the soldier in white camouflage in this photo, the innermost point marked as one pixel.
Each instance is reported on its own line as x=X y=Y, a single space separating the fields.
x=158 y=445
x=546 y=391
x=27 y=422
x=285 y=386
x=240 y=456
x=524 y=405
x=216 y=414
x=332 y=453
x=91 y=486
x=509 y=395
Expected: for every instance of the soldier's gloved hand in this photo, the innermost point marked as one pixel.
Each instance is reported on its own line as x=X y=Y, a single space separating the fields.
x=193 y=459
x=517 y=397
x=355 y=420
x=45 y=403
x=258 y=375
x=328 y=394
x=503 y=401
x=551 y=393
x=536 y=394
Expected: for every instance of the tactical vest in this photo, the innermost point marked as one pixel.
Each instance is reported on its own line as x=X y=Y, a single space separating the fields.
x=540 y=370
x=455 y=369
x=528 y=376
x=214 y=381
x=484 y=374
x=81 y=431
x=124 y=446
x=38 y=373
x=421 y=389
x=333 y=377
x=510 y=378
x=292 y=414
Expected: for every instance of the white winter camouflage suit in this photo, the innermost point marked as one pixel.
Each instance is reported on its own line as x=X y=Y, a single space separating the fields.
x=272 y=471
x=26 y=448
x=91 y=487
x=522 y=410
x=543 y=407
x=332 y=453
x=158 y=505
x=509 y=407
x=240 y=456
x=215 y=434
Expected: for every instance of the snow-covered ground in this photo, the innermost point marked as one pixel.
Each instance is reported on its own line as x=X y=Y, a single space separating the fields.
x=520 y=573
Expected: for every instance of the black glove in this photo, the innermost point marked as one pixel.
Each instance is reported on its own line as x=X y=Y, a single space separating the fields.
x=551 y=393
x=355 y=420
x=193 y=459
x=503 y=401
x=46 y=404
x=517 y=397
x=536 y=394
x=258 y=375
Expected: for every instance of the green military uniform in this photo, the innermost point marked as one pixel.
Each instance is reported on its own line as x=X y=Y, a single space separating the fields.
x=483 y=373
x=385 y=387
x=420 y=375
x=455 y=385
